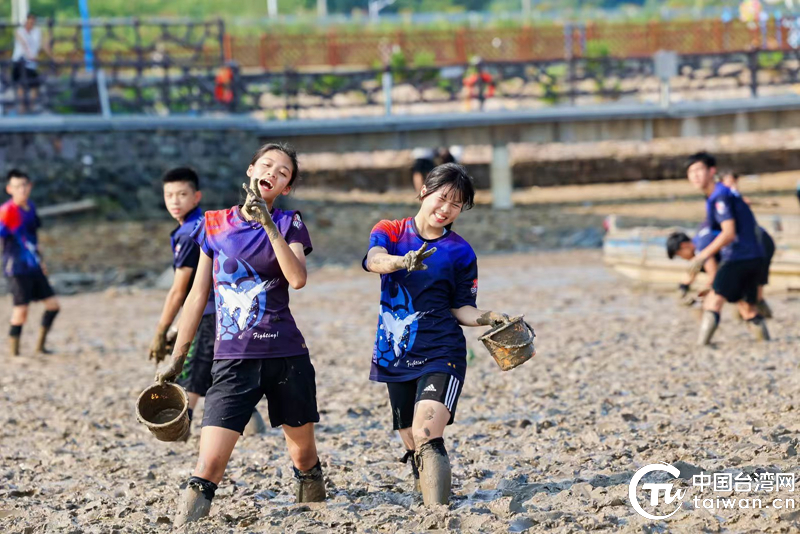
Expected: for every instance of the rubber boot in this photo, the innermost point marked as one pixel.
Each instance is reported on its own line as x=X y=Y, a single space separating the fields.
x=764 y=310
x=13 y=345
x=194 y=505
x=255 y=426
x=309 y=485
x=434 y=472
x=708 y=325
x=758 y=326
x=40 y=348
x=414 y=471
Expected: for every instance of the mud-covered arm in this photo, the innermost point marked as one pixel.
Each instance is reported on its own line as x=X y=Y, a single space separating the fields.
x=172 y=305
x=380 y=261
x=725 y=237
x=193 y=309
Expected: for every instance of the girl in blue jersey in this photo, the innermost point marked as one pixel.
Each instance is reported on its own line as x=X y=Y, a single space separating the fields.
x=429 y=283
x=251 y=255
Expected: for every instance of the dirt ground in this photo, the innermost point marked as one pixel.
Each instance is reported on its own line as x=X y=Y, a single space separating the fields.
x=550 y=446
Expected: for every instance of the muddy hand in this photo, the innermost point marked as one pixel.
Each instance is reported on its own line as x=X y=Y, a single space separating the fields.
x=412 y=261
x=169 y=371
x=491 y=318
x=158 y=347
x=172 y=335
x=255 y=207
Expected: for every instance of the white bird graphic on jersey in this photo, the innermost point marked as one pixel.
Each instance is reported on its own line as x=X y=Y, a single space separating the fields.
x=243 y=301
x=395 y=328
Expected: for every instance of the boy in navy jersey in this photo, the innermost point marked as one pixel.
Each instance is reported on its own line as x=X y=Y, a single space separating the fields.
x=251 y=255
x=21 y=262
x=429 y=285
x=681 y=245
x=182 y=197
x=742 y=255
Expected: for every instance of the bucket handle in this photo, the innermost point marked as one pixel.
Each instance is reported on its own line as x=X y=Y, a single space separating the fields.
x=518 y=346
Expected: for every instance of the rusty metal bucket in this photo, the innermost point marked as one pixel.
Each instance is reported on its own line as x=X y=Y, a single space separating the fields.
x=511 y=343
x=163 y=408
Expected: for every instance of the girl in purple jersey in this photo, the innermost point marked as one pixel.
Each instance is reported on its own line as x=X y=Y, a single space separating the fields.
x=429 y=283
x=252 y=252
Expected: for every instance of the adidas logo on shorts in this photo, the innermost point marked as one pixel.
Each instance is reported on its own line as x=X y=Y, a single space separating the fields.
x=430 y=388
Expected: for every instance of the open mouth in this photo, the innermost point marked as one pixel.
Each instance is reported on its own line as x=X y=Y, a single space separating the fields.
x=264 y=183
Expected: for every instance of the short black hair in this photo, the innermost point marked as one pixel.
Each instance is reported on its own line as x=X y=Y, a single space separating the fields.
x=182 y=174
x=16 y=173
x=674 y=242
x=707 y=159
x=287 y=149
x=455 y=176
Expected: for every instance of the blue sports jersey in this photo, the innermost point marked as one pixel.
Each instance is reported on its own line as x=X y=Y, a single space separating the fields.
x=724 y=205
x=186 y=253
x=18 y=228
x=417 y=334
x=251 y=292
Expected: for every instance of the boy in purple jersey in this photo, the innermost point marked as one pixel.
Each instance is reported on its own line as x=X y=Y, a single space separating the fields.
x=182 y=197
x=426 y=295
x=21 y=262
x=742 y=255
x=251 y=255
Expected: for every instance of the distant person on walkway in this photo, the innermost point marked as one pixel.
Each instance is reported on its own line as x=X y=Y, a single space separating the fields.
x=24 y=73
x=21 y=262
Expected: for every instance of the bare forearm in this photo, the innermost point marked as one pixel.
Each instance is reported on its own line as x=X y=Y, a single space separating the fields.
x=190 y=320
x=724 y=238
x=172 y=305
x=383 y=263
x=468 y=315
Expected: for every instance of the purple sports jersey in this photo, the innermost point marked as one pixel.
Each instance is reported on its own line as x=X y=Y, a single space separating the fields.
x=250 y=291
x=186 y=253
x=417 y=333
x=18 y=230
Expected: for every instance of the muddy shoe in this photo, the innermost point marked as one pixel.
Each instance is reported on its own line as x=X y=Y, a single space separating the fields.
x=758 y=326
x=309 y=485
x=434 y=472
x=764 y=310
x=256 y=426
x=13 y=345
x=195 y=501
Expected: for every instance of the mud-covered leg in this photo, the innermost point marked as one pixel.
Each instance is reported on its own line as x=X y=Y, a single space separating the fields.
x=309 y=482
x=708 y=325
x=48 y=318
x=758 y=327
x=430 y=419
x=195 y=502
x=14 y=336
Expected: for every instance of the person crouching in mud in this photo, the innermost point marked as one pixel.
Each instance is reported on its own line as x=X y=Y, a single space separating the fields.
x=426 y=293
x=250 y=251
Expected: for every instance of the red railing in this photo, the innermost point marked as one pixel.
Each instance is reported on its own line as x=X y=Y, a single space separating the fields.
x=530 y=43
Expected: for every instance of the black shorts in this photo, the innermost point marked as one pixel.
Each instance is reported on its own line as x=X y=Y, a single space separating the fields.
x=196 y=375
x=30 y=78
x=439 y=387
x=27 y=288
x=238 y=385
x=739 y=280
x=769 y=251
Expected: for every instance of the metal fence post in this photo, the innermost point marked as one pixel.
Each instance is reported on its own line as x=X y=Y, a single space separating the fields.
x=102 y=94
x=387 y=82
x=753 y=60
x=481 y=96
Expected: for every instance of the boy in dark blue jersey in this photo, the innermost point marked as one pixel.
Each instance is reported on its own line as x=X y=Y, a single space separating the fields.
x=429 y=283
x=679 y=244
x=21 y=262
x=742 y=255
